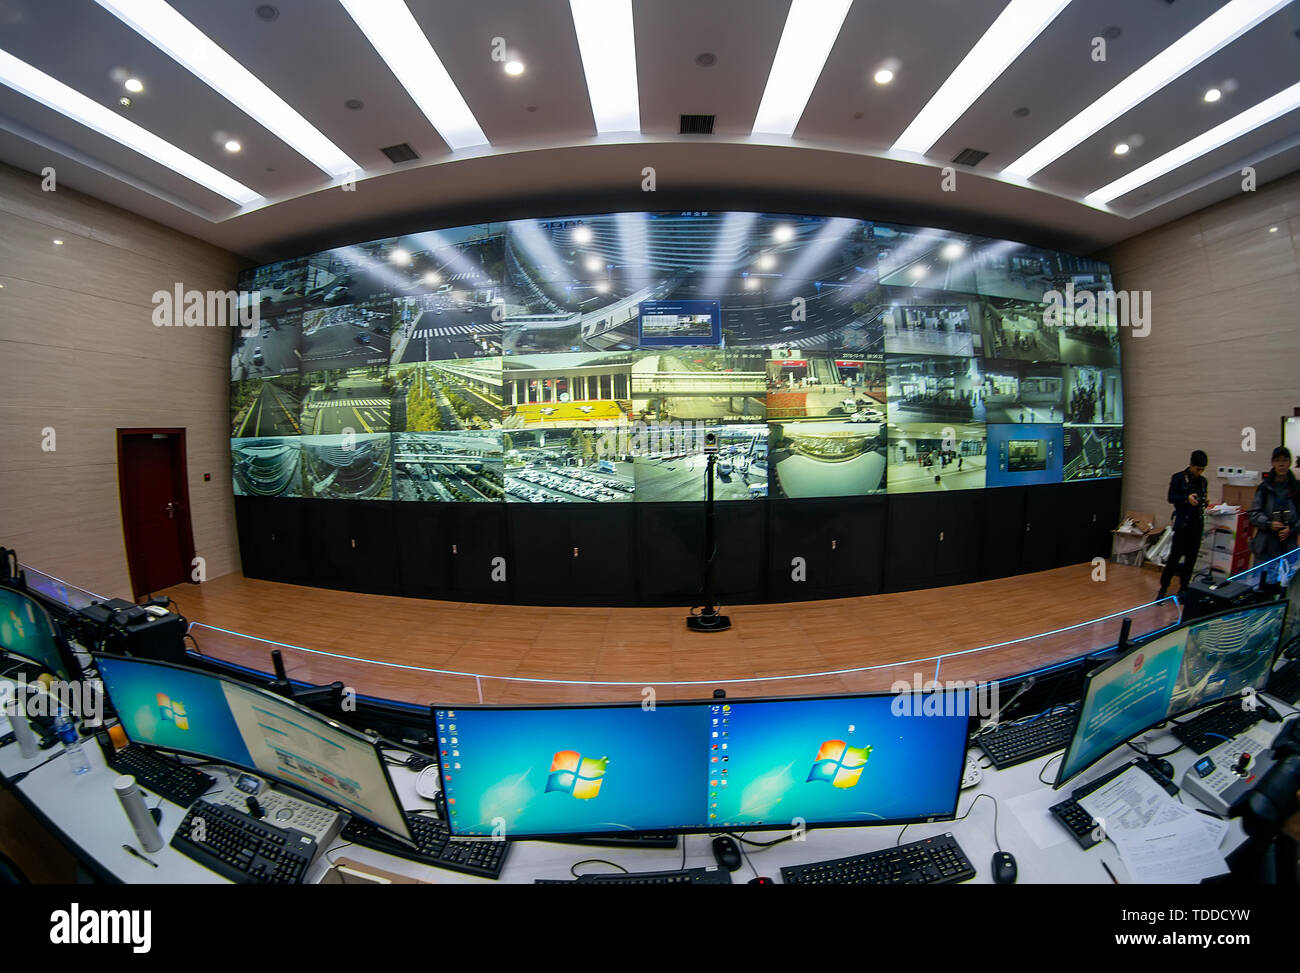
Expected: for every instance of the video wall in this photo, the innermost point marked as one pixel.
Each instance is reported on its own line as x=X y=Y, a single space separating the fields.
x=585 y=359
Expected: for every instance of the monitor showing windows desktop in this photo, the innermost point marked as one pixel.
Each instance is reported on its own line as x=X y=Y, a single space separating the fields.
x=27 y=631
x=1194 y=665
x=190 y=712
x=544 y=772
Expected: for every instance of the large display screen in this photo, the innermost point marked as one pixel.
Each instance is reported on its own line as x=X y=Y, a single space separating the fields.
x=548 y=771
x=1192 y=666
x=584 y=359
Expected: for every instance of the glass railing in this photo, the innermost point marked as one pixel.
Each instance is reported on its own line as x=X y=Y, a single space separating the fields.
x=422 y=685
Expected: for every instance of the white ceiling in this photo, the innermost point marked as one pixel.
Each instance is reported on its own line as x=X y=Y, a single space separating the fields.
x=545 y=157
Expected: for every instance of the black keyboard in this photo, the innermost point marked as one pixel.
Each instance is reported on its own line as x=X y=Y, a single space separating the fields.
x=711 y=875
x=169 y=779
x=1204 y=732
x=1284 y=683
x=435 y=847
x=931 y=861
x=1014 y=743
x=242 y=849
x=1081 y=825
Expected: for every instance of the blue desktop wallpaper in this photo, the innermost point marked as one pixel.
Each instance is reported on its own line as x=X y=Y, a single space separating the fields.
x=638 y=772
x=194 y=715
x=998 y=474
x=913 y=769
x=1125 y=698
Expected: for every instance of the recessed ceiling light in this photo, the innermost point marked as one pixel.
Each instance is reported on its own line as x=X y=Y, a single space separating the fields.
x=184 y=43
x=133 y=85
x=354 y=104
x=810 y=32
x=514 y=67
x=1013 y=31
x=232 y=145
x=1213 y=95
x=37 y=85
x=952 y=251
x=766 y=262
x=124 y=101
x=1121 y=149
x=1272 y=229
x=608 y=48
x=1212 y=34
x=58 y=243
x=1268 y=110
x=883 y=76
x=783 y=233
x=593 y=264
x=706 y=60
x=395 y=35
x=582 y=234
x=401 y=256
x=267 y=12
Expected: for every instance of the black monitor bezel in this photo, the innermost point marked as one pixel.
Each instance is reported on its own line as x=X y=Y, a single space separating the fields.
x=374 y=744
x=1137 y=647
x=706 y=829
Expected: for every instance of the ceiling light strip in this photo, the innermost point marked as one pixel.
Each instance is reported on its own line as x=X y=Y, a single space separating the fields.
x=398 y=39
x=184 y=43
x=1252 y=118
x=1008 y=36
x=1212 y=34
x=607 y=43
x=56 y=95
x=810 y=32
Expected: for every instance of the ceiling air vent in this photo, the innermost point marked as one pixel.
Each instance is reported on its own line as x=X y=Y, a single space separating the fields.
x=399 y=153
x=697 y=124
x=969 y=157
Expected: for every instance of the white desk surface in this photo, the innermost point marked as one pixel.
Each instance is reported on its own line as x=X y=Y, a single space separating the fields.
x=84 y=808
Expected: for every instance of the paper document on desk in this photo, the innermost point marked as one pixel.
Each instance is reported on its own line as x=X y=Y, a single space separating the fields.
x=1127 y=803
x=1178 y=852
x=1215 y=828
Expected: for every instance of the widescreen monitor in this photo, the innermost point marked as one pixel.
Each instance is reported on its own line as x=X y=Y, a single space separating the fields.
x=1203 y=662
x=202 y=715
x=544 y=772
x=26 y=630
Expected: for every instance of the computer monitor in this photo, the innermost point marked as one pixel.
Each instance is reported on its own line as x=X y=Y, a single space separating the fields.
x=847 y=760
x=183 y=710
x=1194 y=665
x=26 y=630
x=548 y=771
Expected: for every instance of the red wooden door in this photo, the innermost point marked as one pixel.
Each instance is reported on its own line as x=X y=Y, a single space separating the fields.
x=155 y=508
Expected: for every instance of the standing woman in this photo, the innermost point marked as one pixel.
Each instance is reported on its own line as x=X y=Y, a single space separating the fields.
x=1275 y=512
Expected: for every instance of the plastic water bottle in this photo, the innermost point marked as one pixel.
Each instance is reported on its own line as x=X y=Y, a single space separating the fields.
x=67 y=732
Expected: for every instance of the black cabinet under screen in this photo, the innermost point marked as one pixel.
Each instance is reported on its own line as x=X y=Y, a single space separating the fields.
x=271 y=543
x=573 y=553
x=475 y=535
x=933 y=539
x=822 y=549
x=423 y=551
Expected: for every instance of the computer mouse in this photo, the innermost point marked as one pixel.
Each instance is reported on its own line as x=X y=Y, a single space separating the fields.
x=726 y=853
x=760 y=881
x=1004 y=868
x=1164 y=766
x=1267 y=709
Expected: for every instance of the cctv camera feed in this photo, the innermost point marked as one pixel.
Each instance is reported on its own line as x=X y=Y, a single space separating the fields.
x=822 y=351
x=931 y=456
x=1227 y=655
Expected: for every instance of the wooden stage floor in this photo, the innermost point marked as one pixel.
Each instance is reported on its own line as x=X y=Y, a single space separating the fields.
x=424 y=651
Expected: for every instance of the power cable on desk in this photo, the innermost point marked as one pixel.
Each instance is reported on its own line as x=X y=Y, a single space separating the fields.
x=1048 y=764
x=1155 y=756
x=765 y=844
x=598 y=861
x=745 y=855
x=971 y=807
x=336 y=850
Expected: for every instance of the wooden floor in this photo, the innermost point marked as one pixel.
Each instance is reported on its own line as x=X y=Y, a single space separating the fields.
x=386 y=646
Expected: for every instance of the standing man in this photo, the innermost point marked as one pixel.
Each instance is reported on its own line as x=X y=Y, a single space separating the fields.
x=1187 y=492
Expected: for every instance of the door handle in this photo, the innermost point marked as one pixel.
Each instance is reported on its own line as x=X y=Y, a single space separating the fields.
x=171 y=510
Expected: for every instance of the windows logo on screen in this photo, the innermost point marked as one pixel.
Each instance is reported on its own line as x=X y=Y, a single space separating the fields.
x=173 y=711
x=839 y=764
x=576 y=775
